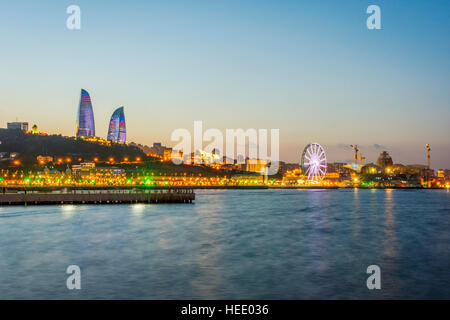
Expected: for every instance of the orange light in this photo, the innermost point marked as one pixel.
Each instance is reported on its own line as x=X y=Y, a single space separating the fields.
x=138 y=159
x=60 y=160
x=111 y=159
x=125 y=159
x=68 y=160
x=95 y=159
x=16 y=162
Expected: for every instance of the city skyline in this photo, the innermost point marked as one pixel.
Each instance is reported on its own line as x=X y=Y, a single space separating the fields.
x=317 y=75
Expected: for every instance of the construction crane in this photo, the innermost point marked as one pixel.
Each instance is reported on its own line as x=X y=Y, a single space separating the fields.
x=428 y=154
x=355 y=148
x=361 y=158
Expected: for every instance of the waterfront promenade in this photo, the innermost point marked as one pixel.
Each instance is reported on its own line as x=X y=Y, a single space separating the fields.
x=99 y=196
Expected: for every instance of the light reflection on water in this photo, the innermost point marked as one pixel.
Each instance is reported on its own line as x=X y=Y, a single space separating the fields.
x=233 y=244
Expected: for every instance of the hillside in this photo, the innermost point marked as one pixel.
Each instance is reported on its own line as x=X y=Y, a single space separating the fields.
x=30 y=145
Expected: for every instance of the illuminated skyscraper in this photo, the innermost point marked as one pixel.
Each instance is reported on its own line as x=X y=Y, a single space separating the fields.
x=85 y=124
x=117 y=131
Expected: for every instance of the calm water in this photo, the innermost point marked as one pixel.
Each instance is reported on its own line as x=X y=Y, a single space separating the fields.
x=233 y=244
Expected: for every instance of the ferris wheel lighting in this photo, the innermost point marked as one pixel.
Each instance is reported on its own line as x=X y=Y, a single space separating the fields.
x=314 y=162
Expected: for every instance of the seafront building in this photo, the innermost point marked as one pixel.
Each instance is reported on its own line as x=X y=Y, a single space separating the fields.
x=85 y=124
x=17 y=126
x=89 y=170
x=159 y=151
x=117 y=131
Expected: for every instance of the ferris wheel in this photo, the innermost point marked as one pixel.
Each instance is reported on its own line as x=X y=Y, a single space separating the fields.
x=314 y=162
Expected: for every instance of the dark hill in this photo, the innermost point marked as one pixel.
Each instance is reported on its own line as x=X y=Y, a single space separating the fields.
x=31 y=145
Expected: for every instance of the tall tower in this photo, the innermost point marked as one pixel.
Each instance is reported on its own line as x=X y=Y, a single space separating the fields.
x=428 y=172
x=117 y=131
x=428 y=155
x=85 y=121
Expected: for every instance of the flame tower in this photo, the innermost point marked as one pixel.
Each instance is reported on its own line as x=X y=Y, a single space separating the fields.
x=117 y=131
x=85 y=124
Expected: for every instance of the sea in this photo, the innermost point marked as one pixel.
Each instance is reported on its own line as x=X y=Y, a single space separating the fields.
x=233 y=244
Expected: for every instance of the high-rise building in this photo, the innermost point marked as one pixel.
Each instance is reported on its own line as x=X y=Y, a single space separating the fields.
x=85 y=124
x=117 y=131
x=18 y=126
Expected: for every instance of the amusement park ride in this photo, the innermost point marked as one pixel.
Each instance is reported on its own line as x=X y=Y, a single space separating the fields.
x=314 y=162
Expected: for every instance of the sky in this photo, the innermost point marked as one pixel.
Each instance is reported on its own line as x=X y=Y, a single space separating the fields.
x=309 y=68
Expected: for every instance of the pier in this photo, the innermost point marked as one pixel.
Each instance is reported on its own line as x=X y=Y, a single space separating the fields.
x=108 y=196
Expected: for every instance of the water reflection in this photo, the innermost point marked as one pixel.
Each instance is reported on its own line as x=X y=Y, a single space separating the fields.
x=389 y=224
x=68 y=210
x=319 y=222
x=207 y=255
x=138 y=209
x=356 y=211
x=234 y=244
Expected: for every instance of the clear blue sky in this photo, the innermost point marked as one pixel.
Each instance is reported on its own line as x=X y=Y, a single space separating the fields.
x=310 y=68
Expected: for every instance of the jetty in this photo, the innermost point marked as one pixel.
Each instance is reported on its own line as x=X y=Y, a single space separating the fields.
x=95 y=196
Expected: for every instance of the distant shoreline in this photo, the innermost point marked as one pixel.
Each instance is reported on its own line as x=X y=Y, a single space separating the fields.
x=94 y=188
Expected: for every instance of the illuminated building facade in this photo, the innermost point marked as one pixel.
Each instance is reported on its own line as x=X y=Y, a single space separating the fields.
x=160 y=151
x=44 y=159
x=17 y=126
x=85 y=124
x=117 y=131
x=255 y=165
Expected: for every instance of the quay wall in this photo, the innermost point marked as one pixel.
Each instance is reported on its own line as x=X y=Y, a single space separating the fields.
x=184 y=196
